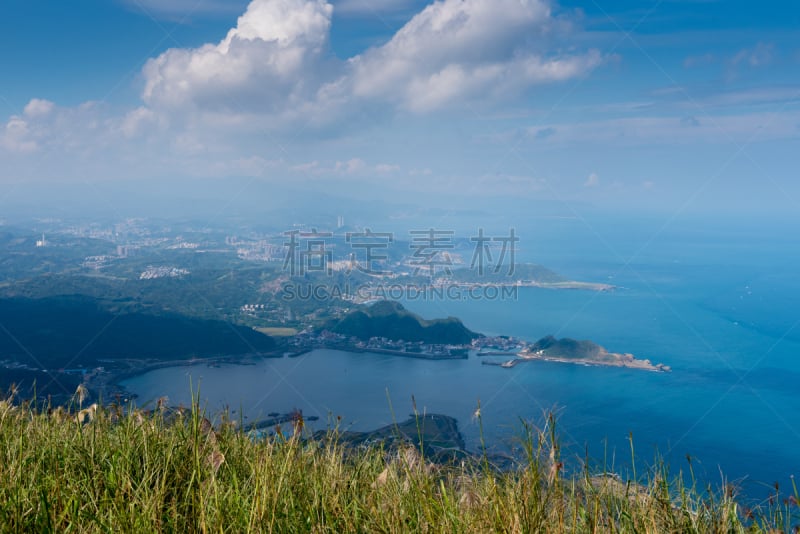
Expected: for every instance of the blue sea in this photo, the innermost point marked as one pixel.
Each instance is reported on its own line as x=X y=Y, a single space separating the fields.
x=718 y=301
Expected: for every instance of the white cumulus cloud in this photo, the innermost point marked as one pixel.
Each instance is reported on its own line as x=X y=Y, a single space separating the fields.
x=276 y=60
x=457 y=49
x=38 y=107
x=17 y=136
x=268 y=59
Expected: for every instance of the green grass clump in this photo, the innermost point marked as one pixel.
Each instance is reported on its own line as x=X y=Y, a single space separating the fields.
x=109 y=469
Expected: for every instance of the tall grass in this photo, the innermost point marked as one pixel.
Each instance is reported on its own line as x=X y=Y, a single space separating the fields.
x=127 y=471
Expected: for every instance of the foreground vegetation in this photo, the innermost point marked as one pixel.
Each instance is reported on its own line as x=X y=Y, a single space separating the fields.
x=100 y=470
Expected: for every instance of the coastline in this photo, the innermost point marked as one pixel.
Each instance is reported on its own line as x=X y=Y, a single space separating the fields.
x=377 y=293
x=572 y=284
x=462 y=354
x=106 y=382
x=610 y=359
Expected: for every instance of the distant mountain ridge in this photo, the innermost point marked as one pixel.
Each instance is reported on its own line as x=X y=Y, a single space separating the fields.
x=389 y=319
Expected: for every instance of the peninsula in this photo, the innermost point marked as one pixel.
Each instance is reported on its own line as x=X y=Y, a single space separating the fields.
x=525 y=275
x=387 y=327
x=566 y=350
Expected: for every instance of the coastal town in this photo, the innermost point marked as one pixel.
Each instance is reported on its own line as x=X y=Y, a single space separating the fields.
x=307 y=341
x=485 y=347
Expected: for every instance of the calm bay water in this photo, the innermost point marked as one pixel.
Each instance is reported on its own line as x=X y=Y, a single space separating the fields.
x=719 y=306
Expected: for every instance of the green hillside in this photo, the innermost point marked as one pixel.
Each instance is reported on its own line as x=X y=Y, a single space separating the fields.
x=38 y=336
x=391 y=320
x=568 y=348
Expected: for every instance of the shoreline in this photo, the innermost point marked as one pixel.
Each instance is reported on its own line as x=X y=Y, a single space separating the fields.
x=626 y=361
x=377 y=292
x=392 y=352
x=573 y=284
x=106 y=383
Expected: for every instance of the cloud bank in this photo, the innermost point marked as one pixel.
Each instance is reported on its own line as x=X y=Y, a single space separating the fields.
x=274 y=76
x=277 y=60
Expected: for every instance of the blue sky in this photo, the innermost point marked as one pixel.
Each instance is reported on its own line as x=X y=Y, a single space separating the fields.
x=671 y=106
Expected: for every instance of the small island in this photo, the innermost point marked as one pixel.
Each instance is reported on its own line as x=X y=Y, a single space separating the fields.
x=583 y=352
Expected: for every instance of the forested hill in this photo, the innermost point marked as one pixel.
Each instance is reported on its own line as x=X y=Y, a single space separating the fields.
x=391 y=320
x=76 y=332
x=568 y=348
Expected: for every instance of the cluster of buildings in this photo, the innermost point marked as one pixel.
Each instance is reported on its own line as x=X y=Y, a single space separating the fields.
x=184 y=245
x=97 y=262
x=255 y=249
x=498 y=344
x=162 y=272
x=412 y=347
x=308 y=340
x=251 y=309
